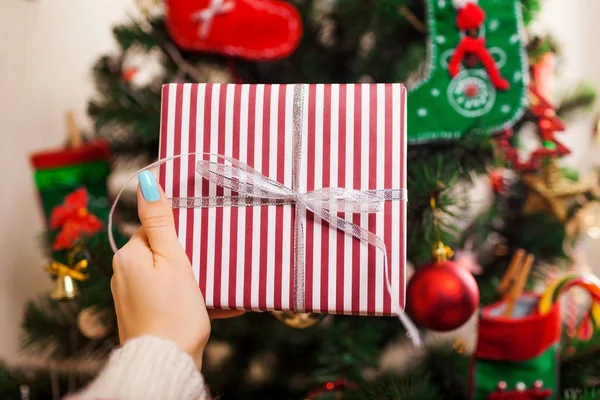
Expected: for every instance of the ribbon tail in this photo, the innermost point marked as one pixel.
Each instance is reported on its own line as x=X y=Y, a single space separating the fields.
x=371 y=239
x=411 y=329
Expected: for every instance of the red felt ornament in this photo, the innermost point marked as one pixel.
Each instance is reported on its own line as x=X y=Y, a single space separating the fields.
x=250 y=29
x=73 y=219
x=469 y=19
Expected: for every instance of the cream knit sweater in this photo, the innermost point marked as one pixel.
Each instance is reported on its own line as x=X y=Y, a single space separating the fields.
x=147 y=368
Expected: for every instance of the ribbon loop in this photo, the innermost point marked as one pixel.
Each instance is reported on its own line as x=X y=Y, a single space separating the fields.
x=248 y=182
x=243 y=179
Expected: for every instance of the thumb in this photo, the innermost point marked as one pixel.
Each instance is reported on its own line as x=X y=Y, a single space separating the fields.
x=156 y=216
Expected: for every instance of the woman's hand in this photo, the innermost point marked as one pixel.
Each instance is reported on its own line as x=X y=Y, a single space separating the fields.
x=153 y=284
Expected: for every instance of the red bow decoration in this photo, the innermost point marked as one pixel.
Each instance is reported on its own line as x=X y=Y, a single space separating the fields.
x=74 y=220
x=470 y=19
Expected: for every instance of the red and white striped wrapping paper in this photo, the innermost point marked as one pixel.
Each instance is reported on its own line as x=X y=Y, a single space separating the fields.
x=354 y=136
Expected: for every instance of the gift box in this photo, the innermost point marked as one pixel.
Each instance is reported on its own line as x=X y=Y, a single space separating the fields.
x=517 y=356
x=304 y=207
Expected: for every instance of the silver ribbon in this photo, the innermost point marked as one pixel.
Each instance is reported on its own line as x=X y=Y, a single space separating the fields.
x=208 y=14
x=255 y=189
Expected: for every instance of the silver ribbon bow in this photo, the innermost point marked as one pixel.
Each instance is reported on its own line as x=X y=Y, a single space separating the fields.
x=253 y=188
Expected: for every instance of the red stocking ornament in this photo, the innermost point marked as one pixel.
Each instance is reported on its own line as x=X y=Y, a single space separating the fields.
x=250 y=29
x=469 y=21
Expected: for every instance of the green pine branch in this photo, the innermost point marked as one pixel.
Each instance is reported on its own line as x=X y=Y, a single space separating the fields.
x=437 y=170
x=581 y=98
x=531 y=9
x=132 y=34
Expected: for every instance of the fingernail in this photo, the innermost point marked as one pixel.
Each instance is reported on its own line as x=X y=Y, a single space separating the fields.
x=148 y=186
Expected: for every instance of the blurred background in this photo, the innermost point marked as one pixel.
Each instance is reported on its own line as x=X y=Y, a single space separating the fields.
x=48 y=52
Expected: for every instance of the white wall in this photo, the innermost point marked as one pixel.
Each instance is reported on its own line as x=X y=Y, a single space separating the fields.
x=576 y=29
x=47 y=49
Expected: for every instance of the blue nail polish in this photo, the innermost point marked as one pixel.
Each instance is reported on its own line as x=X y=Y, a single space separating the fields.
x=148 y=186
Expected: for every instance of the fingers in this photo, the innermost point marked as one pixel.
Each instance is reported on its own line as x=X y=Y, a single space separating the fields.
x=115 y=292
x=139 y=235
x=138 y=241
x=222 y=314
x=156 y=216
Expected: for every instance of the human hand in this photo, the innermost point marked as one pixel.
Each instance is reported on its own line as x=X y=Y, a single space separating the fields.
x=153 y=285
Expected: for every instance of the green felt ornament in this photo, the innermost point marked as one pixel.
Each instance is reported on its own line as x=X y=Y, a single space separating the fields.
x=54 y=184
x=477 y=77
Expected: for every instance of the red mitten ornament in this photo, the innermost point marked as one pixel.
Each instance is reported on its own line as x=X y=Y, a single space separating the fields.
x=250 y=29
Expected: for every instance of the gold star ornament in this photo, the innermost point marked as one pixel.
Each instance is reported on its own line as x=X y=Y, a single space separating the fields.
x=551 y=191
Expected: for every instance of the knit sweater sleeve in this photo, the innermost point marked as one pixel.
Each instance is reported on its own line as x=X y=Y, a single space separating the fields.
x=147 y=368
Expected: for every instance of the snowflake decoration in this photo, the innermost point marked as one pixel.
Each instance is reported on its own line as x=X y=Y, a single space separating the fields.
x=494 y=25
x=517 y=76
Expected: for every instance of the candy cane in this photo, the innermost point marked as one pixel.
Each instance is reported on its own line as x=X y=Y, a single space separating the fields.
x=588 y=282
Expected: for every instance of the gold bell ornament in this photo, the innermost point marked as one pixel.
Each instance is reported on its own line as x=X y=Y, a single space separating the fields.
x=66 y=279
x=66 y=288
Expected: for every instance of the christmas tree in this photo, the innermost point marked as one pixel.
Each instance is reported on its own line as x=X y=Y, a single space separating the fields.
x=478 y=85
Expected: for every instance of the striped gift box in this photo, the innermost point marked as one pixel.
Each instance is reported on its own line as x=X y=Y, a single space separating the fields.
x=352 y=135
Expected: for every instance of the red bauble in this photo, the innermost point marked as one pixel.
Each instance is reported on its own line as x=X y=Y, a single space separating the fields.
x=441 y=296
